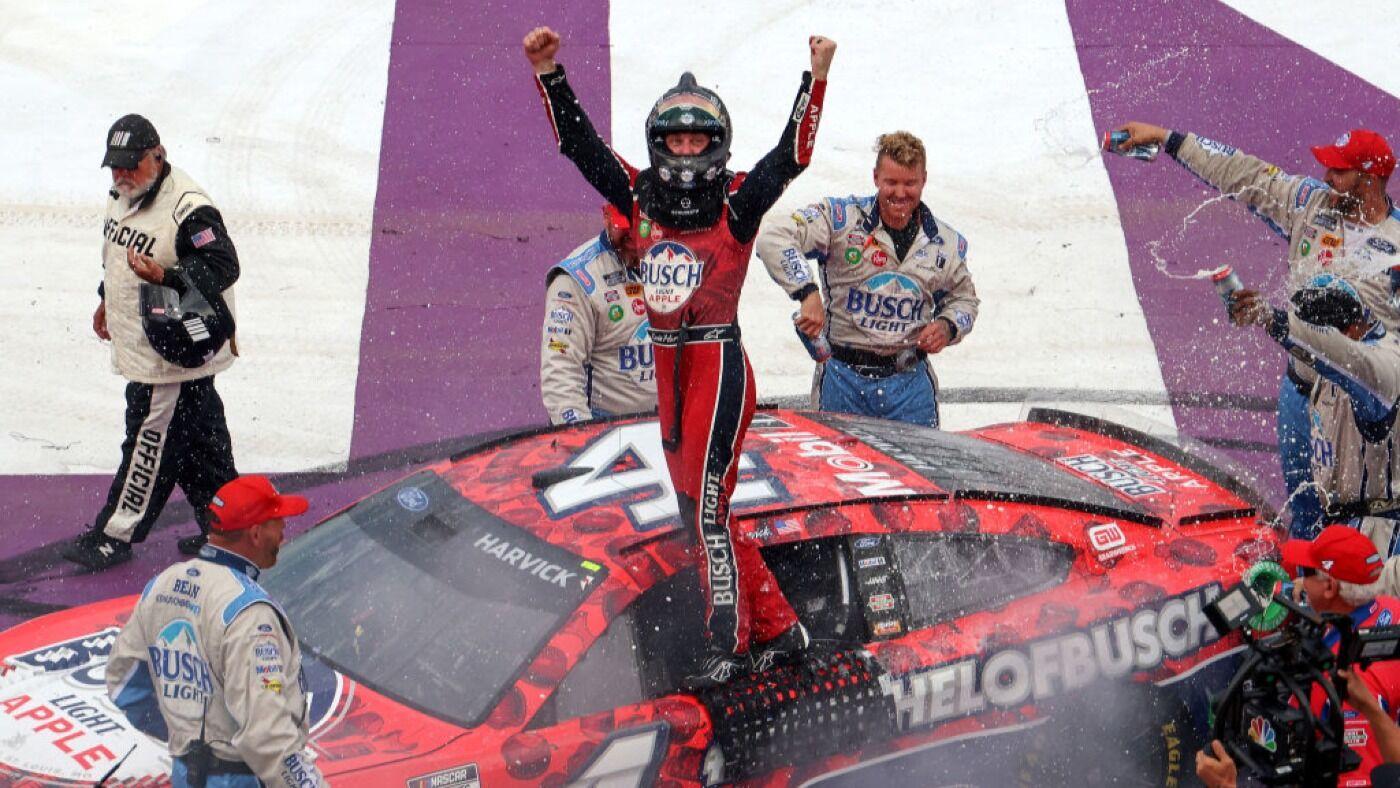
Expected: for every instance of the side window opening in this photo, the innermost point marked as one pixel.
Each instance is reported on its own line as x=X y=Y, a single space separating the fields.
x=949 y=574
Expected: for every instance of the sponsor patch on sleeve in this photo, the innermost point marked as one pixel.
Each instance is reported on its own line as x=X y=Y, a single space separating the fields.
x=794 y=267
x=1214 y=148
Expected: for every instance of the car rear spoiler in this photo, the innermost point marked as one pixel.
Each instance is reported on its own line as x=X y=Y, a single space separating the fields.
x=1200 y=459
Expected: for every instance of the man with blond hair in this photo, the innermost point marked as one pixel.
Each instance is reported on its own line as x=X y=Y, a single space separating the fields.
x=897 y=288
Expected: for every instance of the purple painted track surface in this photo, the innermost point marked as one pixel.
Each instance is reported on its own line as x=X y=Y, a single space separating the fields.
x=474 y=203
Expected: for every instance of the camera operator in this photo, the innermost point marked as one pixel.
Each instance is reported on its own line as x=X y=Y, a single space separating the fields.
x=1336 y=575
x=1216 y=769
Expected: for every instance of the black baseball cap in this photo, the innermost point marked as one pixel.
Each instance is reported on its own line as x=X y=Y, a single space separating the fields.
x=128 y=140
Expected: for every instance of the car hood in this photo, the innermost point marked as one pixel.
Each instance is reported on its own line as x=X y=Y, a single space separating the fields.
x=57 y=723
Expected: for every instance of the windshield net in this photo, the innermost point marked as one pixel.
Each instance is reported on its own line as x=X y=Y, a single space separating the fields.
x=421 y=595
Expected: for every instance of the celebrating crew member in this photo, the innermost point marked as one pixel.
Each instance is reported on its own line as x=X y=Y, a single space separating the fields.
x=896 y=279
x=595 y=352
x=1353 y=363
x=1346 y=224
x=694 y=224
x=209 y=663
x=163 y=238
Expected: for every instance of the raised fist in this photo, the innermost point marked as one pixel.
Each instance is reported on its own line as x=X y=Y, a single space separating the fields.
x=823 y=49
x=541 y=45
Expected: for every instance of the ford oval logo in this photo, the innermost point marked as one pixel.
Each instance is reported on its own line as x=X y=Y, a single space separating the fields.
x=867 y=542
x=412 y=499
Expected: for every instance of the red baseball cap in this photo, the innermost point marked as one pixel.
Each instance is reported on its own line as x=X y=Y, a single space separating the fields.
x=615 y=219
x=251 y=500
x=1341 y=551
x=1358 y=149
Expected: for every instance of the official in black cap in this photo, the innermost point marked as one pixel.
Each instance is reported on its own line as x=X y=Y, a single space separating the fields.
x=165 y=250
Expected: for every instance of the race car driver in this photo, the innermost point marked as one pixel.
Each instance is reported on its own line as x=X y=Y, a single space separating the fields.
x=694 y=222
x=209 y=663
x=595 y=352
x=1346 y=224
x=896 y=279
x=1354 y=365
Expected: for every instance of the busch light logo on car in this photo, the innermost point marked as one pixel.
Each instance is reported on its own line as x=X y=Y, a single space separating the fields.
x=886 y=306
x=670 y=274
x=635 y=358
x=181 y=674
x=412 y=499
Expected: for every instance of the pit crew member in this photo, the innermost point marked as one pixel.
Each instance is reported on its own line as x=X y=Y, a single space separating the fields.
x=694 y=223
x=1345 y=223
x=1354 y=365
x=161 y=228
x=208 y=660
x=595 y=353
x=896 y=279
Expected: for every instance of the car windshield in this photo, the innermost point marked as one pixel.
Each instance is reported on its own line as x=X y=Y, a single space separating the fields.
x=425 y=597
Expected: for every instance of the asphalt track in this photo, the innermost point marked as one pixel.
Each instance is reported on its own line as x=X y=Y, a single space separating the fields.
x=469 y=183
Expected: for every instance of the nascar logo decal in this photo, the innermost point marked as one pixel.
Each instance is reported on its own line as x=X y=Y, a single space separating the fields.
x=671 y=273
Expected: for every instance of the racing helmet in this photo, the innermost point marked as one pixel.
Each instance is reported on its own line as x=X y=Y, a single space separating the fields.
x=183 y=325
x=689 y=107
x=1329 y=300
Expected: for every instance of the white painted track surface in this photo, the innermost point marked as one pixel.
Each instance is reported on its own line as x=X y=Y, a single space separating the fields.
x=994 y=90
x=276 y=110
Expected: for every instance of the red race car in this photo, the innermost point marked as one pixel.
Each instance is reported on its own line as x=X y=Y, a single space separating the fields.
x=1018 y=603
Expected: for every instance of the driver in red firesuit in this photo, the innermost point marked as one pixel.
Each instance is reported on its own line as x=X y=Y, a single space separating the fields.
x=694 y=223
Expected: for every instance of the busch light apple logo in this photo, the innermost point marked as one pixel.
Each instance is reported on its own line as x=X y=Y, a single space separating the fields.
x=181 y=673
x=670 y=274
x=886 y=306
x=635 y=359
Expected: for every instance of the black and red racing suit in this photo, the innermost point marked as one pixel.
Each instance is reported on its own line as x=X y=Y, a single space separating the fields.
x=704 y=384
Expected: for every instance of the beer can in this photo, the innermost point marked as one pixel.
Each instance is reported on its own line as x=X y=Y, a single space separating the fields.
x=817 y=347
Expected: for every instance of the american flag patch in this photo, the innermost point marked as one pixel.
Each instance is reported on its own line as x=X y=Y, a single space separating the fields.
x=203 y=237
x=787 y=526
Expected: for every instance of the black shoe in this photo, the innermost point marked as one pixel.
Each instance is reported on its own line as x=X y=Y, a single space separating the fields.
x=716 y=671
x=781 y=650
x=191 y=545
x=97 y=551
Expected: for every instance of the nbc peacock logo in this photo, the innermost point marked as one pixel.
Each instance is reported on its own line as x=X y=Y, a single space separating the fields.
x=1262 y=734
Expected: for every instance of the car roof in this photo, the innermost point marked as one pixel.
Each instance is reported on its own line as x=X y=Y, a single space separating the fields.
x=602 y=488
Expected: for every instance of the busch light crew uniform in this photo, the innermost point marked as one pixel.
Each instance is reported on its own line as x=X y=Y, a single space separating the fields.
x=206 y=655
x=694 y=227
x=595 y=354
x=1351 y=409
x=876 y=302
x=1319 y=239
x=176 y=432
